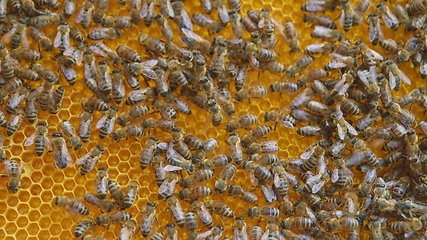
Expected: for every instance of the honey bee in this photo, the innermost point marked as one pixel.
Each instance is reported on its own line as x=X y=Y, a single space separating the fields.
x=236 y=23
x=256 y=133
x=195 y=193
x=130 y=131
x=244 y=121
x=155 y=123
x=257 y=171
x=103 y=33
x=280 y=117
x=115 y=191
x=291 y=36
x=344 y=223
x=39 y=36
x=153 y=44
x=207 y=22
x=203 y=213
x=130 y=194
x=28 y=55
x=406 y=227
x=89 y=160
x=85 y=127
x=265 y=212
x=251 y=92
x=362 y=152
x=104 y=51
x=375 y=31
x=176 y=161
x=128 y=53
x=128 y=229
x=137 y=96
x=104 y=77
x=343 y=127
x=412 y=46
x=217 y=162
x=244 y=194
x=17 y=98
x=44 y=20
x=389 y=45
x=67 y=70
x=165 y=110
x=40 y=138
x=83 y=226
x=144 y=68
x=263 y=147
x=319 y=20
x=388 y=17
x=219 y=208
x=45 y=73
x=103 y=204
x=403 y=115
x=148 y=215
x=72 y=205
x=15 y=121
x=101 y=182
x=71 y=134
x=62 y=39
x=117 y=22
x=206 y=6
x=176 y=209
x=341 y=175
x=147 y=11
x=113 y=218
x=106 y=123
x=13 y=172
x=198 y=177
x=194 y=41
x=326 y=33
x=76 y=54
x=319 y=48
x=167 y=187
x=17 y=36
x=84 y=15
x=239 y=228
x=226 y=175
x=148 y=152
x=69 y=8
x=100 y=10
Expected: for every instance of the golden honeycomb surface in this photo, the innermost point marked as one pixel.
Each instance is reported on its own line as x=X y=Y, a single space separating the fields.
x=31 y=212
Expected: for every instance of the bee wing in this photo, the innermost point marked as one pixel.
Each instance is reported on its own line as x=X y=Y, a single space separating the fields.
x=286 y=123
x=376 y=55
x=268 y=193
x=362 y=78
x=277 y=180
x=341 y=132
x=101 y=122
x=25 y=43
x=350 y=128
x=334 y=176
x=315 y=47
x=317 y=187
x=307 y=153
x=265 y=235
x=80 y=15
x=392 y=80
x=30 y=140
x=403 y=77
x=355 y=158
x=8 y=35
x=176 y=209
x=57 y=40
x=8 y=167
x=149 y=73
x=254 y=180
x=186 y=20
x=84 y=127
x=342 y=18
x=120 y=87
x=98 y=51
x=67 y=40
x=83 y=159
x=291 y=178
x=171 y=168
x=423 y=126
x=336 y=64
x=223 y=14
x=111 y=125
x=389 y=20
x=69 y=72
x=204 y=235
x=380 y=31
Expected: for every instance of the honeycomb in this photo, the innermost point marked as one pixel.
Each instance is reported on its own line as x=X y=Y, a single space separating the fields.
x=31 y=213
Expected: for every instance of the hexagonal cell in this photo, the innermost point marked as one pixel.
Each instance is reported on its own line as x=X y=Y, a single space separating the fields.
x=25 y=182
x=44 y=222
x=58 y=177
x=47 y=183
x=58 y=189
x=36 y=176
x=21 y=234
x=69 y=184
x=46 y=196
x=34 y=215
x=35 y=189
x=11 y=215
x=35 y=202
x=43 y=234
x=2 y=220
x=22 y=221
x=23 y=208
x=10 y=228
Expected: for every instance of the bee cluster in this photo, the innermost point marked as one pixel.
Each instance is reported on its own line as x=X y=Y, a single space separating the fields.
x=364 y=175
